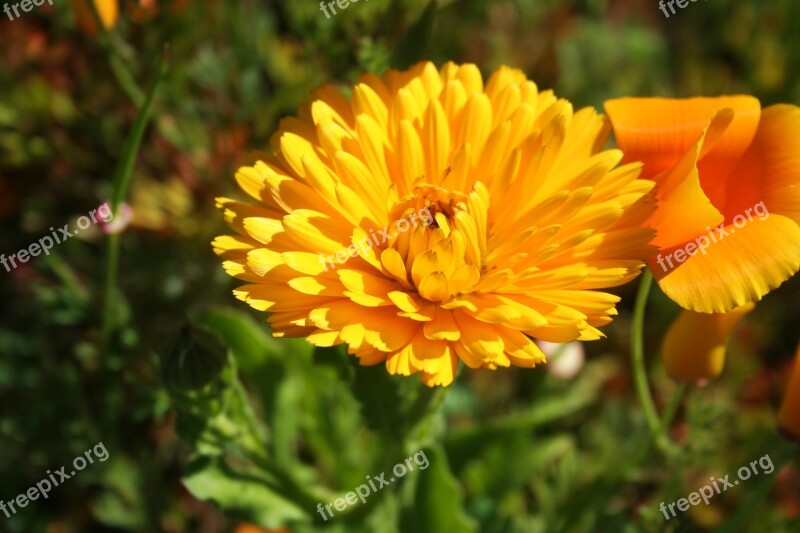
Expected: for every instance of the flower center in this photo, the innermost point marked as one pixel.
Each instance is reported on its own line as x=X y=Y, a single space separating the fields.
x=429 y=200
x=435 y=237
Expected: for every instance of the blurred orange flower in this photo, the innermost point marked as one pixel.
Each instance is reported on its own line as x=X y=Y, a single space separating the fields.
x=107 y=9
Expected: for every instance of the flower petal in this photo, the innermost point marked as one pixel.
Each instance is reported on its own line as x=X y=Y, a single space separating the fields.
x=770 y=170
x=739 y=268
x=659 y=131
x=694 y=347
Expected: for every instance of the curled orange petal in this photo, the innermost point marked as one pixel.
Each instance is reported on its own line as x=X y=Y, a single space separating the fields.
x=694 y=347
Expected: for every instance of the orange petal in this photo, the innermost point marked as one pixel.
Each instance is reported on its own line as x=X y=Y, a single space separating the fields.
x=680 y=187
x=738 y=268
x=770 y=170
x=659 y=131
x=790 y=409
x=694 y=347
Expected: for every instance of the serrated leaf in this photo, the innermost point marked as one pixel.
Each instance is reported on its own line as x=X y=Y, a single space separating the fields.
x=218 y=416
x=248 y=495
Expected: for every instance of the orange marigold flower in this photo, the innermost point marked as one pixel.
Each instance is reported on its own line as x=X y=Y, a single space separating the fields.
x=430 y=218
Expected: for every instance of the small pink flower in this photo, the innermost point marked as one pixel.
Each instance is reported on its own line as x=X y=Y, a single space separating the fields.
x=118 y=221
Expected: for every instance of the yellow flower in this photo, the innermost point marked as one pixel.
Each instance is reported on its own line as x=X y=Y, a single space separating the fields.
x=430 y=218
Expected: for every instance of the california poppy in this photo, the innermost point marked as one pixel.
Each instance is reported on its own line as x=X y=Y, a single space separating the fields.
x=727 y=179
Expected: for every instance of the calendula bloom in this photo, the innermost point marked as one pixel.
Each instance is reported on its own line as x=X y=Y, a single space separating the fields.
x=728 y=220
x=790 y=409
x=431 y=218
x=107 y=9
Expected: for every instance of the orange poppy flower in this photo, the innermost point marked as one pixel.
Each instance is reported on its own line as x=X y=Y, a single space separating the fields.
x=728 y=190
x=727 y=179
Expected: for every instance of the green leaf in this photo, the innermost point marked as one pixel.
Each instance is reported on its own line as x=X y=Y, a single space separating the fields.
x=218 y=417
x=411 y=46
x=247 y=494
x=468 y=443
x=438 y=503
x=266 y=362
x=121 y=503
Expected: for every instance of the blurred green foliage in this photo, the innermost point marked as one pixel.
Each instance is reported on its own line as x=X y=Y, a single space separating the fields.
x=270 y=423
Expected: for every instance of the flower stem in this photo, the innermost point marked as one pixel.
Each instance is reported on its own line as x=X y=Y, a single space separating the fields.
x=637 y=359
x=116 y=58
x=672 y=407
x=121 y=180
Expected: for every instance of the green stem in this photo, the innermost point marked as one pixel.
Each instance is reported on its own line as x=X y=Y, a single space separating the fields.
x=125 y=80
x=109 y=285
x=116 y=59
x=672 y=407
x=124 y=170
x=637 y=359
x=121 y=180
